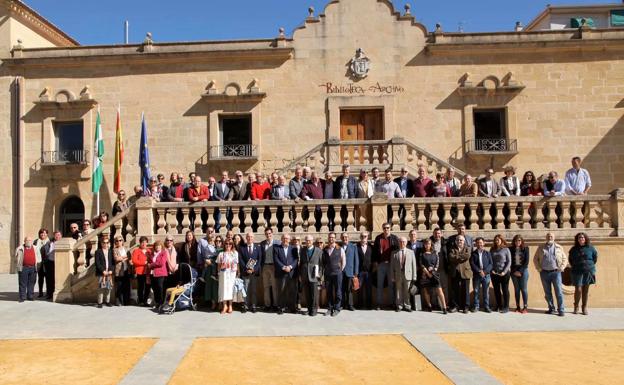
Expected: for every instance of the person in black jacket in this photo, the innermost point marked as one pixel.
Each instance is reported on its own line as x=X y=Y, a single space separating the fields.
x=520 y=271
x=365 y=255
x=385 y=244
x=104 y=265
x=481 y=263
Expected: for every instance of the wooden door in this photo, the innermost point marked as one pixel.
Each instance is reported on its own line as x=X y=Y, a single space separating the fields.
x=359 y=125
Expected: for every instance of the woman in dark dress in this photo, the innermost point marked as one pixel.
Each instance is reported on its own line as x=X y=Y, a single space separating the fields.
x=582 y=259
x=430 y=277
x=520 y=272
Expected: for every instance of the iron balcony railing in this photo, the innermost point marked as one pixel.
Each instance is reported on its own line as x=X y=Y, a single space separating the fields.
x=234 y=151
x=492 y=145
x=65 y=157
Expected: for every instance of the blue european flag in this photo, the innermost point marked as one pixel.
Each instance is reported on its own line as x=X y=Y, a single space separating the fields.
x=144 y=162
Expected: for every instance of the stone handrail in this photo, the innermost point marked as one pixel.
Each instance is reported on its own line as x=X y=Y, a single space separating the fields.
x=122 y=223
x=598 y=215
x=395 y=153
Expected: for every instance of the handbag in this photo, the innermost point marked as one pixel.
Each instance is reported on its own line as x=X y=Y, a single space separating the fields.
x=566 y=276
x=414 y=289
x=356 y=284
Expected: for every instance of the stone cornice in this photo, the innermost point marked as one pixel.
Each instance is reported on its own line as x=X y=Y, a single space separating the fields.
x=532 y=41
x=38 y=23
x=245 y=51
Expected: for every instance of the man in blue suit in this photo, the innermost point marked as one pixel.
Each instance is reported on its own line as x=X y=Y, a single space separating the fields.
x=481 y=264
x=346 y=186
x=350 y=271
x=249 y=267
x=285 y=269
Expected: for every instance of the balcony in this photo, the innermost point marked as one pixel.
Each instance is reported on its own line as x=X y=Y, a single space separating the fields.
x=234 y=152
x=501 y=148
x=62 y=158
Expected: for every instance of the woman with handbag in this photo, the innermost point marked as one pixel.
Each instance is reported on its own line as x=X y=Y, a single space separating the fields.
x=583 y=258
x=228 y=271
x=430 y=277
x=122 y=272
x=104 y=271
x=158 y=270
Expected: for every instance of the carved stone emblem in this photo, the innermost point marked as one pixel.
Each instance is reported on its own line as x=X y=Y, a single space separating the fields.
x=360 y=65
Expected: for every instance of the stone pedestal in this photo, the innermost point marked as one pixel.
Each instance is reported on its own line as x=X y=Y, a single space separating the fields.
x=63 y=269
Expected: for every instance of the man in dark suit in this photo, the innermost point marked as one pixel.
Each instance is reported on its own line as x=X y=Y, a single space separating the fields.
x=285 y=268
x=365 y=262
x=481 y=264
x=346 y=185
x=350 y=272
x=104 y=267
x=221 y=193
x=267 y=266
x=406 y=185
x=249 y=267
x=310 y=272
x=385 y=244
x=296 y=184
x=329 y=186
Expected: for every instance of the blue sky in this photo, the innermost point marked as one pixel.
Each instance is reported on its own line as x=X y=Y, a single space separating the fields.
x=101 y=22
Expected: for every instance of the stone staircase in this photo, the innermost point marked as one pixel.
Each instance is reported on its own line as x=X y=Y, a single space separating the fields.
x=394 y=153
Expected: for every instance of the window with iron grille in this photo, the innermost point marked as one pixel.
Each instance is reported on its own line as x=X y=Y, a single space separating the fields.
x=69 y=146
x=490 y=129
x=235 y=136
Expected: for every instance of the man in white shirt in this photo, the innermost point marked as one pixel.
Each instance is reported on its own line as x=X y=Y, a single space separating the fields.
x=577 y=179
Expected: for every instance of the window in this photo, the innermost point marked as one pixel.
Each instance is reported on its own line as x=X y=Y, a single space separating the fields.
x=69 y=143
x=72 y=210
x=617 y=18
x=490 y=129
x=235 y=136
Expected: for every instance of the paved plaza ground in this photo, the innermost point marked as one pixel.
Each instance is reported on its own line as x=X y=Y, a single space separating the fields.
x=43 y=342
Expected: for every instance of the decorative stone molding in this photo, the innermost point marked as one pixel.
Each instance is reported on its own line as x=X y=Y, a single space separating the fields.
x=490 y=85
x=38 y=23
x=65 y=98
x=233 y=92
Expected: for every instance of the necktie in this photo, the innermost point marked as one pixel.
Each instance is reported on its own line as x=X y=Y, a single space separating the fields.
x=402 y=259
x=250 y=250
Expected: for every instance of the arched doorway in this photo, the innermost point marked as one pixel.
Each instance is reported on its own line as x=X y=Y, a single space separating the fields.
x=72 y=210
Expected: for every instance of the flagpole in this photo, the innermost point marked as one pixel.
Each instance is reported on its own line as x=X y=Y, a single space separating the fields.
x=97 y=205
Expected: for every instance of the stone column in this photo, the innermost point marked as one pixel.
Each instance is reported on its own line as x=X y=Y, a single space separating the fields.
x=63 y=269
x=333 y=153
x=399 y=152
x=145 y=218
x=617 y=211
x=379 y=203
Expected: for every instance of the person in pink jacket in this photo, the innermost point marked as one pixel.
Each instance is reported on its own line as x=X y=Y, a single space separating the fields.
x=158 y=267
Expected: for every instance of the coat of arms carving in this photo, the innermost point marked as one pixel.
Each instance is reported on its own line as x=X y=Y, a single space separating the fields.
x=360 y=65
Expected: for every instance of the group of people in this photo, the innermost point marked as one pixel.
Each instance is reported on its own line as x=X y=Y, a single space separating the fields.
x=233 y=268
x=307 y=184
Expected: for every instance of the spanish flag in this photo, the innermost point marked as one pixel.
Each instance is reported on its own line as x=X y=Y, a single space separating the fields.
x=119 y=152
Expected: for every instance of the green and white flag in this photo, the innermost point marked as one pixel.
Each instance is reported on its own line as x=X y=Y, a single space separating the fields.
x=98 y=154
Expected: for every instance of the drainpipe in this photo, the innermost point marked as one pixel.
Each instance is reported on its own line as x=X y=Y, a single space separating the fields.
x=18 y=163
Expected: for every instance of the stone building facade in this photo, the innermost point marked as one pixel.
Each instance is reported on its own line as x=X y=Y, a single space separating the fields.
x=360 y=71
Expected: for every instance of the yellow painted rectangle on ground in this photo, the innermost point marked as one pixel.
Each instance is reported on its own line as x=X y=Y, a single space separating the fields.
x=385 y=359
x=546 y=358
x=74 y=361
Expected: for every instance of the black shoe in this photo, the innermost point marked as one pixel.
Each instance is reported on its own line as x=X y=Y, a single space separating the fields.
x=329 y=312
x=397 y=309
x=452 y=310
x=488 y=310
x=335 y=313
x=40 y=295
x=351 y=308
x=561 y=314
x=503 y=311
x=428 y=309
x=550 y=311
x=108 y=304
x=99 y=305
x=474 y=310
x=407 y=309
x=253 y=309
x=312 y=314
x=280 y=311
x=465 y=311
x=20 y=300
x=444 y=311
x=244 y=309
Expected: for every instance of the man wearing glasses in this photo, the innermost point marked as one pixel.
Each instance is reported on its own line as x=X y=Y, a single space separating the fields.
x=553 y=187
x=385 y=244
x=238 y=190
x=487 y=186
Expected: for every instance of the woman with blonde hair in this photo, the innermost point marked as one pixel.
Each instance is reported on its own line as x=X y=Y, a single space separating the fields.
x=227 y=261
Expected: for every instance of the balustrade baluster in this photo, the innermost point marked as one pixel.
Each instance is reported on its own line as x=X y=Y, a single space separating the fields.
x=395 y=221
x=551 y=219
x=118 y=225
x=338 y=218
x=324 y=219
x=236 y=222
x=605 y=219
x=384 y=159
x=273 y=218
x=539 y=215
x=420 y=218
x=366 y=155
x=487 y=216
x=565 y=215
x=311 y=226
x=186 y=221
x=376 y=151
x=499 y=218
x=362 y=215
x=80 y=259
x=593 y=216
x=247 y=218
x=262 y=223
x=298 y=218
x=356 y=155
x=446 y=208
x=461 y=217
x=515 y=215
x=350 y=218
x=435 y=217
x=473 y=210
x=525 y=216
x=161 y=222
x=286 y=221
x=197 y=222
x=222 y=221
x=172 y=221
x=409 y=217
